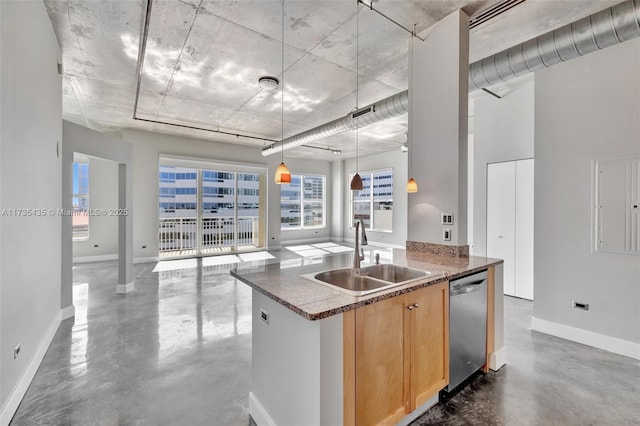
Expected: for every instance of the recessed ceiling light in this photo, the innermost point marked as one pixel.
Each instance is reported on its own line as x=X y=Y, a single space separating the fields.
x=268 y=83
x=335 y=151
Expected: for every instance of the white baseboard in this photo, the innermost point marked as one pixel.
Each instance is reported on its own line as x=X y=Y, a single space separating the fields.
x=100 y=258
x=498 y=358
x=125 y=288
x=257 y=411
x=15 y=397
x=579 y=335
x=67 y=312
x=145 y=259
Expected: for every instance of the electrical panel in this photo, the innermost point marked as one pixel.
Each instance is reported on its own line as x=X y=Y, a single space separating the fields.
x=616 y=209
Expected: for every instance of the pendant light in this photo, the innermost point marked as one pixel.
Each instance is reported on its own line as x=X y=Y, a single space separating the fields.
x=356 y=182
x=282 y=172
x=412 y=185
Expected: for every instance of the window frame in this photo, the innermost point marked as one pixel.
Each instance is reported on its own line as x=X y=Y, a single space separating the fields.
x=78 y=195
x=301 y=202
x=371 y=199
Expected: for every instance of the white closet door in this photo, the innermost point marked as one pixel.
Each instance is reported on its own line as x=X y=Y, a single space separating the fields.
x=501 y=189
x=524 y=229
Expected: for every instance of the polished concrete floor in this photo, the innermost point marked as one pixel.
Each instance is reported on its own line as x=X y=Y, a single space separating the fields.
x=177 y=351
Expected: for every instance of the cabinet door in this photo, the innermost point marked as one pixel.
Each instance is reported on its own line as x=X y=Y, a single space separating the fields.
x=379 y=365
x=429 y=330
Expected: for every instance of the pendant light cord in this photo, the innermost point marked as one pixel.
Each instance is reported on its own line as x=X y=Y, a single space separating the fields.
x=282 y=89
x=357 y=82
x=412 y=94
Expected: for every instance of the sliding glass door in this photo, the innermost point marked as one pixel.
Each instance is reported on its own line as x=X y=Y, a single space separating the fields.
x=210 y=210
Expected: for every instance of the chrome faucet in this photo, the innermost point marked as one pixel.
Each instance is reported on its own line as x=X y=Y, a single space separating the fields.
x=358 y=255
x=363 y=237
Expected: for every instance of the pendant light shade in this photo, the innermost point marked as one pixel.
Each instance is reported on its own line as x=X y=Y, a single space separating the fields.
x=412 y=186
x=356 y=183
x=282 y=174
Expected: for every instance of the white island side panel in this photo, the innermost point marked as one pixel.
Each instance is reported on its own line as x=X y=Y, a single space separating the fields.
x=296 y=373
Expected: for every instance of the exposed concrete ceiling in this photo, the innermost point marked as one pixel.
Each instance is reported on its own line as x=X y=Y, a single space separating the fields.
x=203 y=60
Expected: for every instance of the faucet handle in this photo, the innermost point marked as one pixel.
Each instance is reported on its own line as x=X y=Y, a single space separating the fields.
x=361 y=253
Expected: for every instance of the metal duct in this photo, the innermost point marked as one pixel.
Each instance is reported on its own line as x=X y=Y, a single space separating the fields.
x=595 y=32
x=603 y=29
x=390 y=107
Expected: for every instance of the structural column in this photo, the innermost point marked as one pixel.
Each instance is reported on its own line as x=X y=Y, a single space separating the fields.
x=125 y=230
x=438 y=124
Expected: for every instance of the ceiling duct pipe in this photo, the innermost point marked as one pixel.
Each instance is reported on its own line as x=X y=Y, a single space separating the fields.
x=595 y=32
x=390 y=107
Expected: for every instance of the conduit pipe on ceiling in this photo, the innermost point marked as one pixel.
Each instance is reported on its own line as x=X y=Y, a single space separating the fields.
x=595 y=32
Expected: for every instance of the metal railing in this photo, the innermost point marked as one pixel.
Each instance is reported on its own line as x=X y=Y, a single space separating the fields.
x=178 y=234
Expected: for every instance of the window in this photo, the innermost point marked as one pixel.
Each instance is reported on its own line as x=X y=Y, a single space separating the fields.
x=206 y=210
x=374 y=203
x=80 y=201
x=302 y=203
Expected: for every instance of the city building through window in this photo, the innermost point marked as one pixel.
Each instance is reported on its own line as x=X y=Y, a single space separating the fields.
x=80 y=201
x=374 y=202
x=302 y=202
x=209 y=210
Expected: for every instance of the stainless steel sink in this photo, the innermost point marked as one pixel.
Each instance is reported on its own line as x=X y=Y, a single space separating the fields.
x=392 y=273
x=370 y=279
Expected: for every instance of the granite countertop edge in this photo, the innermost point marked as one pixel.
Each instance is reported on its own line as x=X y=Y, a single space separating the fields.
x=368 y=299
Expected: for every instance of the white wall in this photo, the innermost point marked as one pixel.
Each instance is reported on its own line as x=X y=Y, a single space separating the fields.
x=108 y=146
x=585 y=109
x=147 y=148
x=30 y=176
x=103 y=194
x=337 y=200
x=439 y=119
x=396 y=160
x=504 y=131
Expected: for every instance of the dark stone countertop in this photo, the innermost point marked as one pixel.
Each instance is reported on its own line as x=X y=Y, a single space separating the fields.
x=282 y=281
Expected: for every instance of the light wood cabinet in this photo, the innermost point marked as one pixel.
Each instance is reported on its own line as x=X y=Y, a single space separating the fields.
x=396 y=355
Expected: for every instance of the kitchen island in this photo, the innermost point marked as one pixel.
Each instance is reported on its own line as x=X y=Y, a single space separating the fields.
x=314 y=348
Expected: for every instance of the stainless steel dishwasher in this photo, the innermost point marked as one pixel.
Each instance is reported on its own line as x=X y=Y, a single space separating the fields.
x=467 y=327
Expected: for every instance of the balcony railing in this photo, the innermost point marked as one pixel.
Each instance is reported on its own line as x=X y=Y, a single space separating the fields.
x=178 y=234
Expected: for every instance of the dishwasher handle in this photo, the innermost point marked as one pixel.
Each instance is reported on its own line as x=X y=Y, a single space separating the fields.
x=466 y=288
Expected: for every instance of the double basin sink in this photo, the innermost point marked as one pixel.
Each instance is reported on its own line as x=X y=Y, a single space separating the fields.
x=368 y=279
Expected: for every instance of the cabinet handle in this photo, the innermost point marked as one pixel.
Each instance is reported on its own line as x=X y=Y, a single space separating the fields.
x=415 y=305
x=410 y=307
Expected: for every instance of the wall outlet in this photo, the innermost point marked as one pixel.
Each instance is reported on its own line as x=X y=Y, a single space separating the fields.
x=447 y=219
x=446 y=234
x=16 y=351
x=264 y=316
